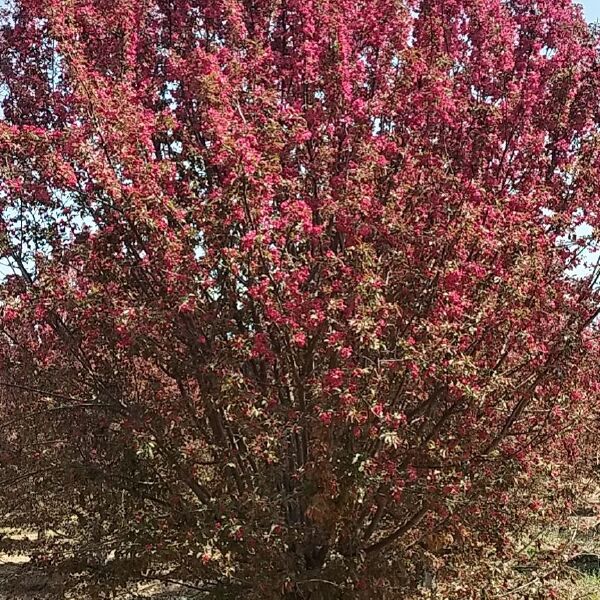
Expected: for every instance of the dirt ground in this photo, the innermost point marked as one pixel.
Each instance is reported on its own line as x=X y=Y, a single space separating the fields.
x=580 y=534
x=20 y=580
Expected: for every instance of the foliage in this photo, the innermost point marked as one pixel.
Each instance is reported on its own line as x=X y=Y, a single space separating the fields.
x=296 y=299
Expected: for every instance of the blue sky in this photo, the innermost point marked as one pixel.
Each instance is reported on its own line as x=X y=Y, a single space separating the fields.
x=591 y=9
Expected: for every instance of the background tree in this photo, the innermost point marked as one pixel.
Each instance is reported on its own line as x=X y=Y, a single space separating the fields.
x=295 y=295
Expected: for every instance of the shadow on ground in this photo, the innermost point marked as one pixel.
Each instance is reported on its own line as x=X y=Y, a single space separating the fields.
x=21 y=581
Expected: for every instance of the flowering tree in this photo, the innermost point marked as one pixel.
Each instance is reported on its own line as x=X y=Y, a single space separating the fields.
x=295 y=296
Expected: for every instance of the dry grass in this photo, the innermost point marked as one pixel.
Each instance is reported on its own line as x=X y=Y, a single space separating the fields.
x=578 y=535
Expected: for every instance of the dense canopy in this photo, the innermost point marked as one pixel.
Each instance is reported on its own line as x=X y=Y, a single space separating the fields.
x=298 y=296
